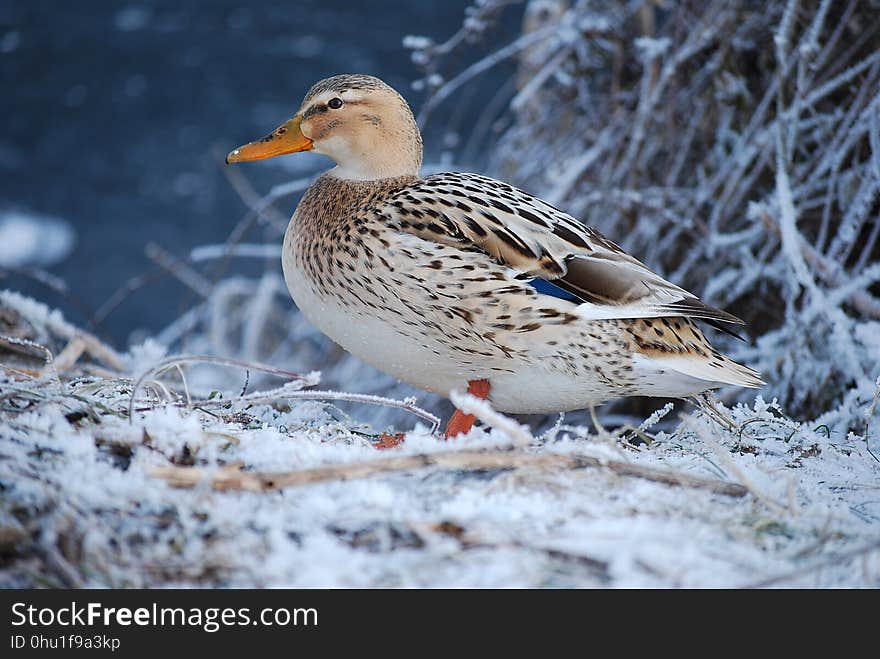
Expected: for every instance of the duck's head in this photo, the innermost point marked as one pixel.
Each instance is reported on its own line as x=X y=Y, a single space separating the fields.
x=364 y=125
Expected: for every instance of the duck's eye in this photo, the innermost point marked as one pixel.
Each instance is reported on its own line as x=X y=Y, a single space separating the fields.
x=334 y=103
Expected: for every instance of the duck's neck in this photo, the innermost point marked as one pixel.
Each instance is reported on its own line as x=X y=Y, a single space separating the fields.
x=382 y=162
x=370 y=173
x=332 y=201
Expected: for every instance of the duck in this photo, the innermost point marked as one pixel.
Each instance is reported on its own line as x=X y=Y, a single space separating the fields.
x=458 y=280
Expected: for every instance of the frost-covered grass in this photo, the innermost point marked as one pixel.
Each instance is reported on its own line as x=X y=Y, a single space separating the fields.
x=90 y=495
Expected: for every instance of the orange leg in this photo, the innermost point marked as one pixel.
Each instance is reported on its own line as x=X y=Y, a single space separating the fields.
x=460 y=422
x=387 y=440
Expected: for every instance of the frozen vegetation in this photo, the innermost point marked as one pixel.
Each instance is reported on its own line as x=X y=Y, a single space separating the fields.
x=735 y=147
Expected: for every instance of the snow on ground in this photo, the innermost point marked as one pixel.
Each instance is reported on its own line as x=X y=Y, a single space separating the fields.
x=86 y=499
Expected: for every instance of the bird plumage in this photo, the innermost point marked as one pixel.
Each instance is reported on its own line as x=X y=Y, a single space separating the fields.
x=457 y=277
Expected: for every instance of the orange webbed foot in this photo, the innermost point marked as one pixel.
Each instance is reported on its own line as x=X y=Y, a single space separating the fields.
x=460 y=422
x=388 y=440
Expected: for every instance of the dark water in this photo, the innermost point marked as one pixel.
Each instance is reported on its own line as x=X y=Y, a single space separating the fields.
x=116 y=116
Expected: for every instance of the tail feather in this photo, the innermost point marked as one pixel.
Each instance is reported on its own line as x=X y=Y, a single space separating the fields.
x=672 y=353
x=721 y=372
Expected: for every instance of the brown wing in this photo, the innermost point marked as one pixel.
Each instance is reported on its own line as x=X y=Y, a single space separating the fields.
x=475 y=212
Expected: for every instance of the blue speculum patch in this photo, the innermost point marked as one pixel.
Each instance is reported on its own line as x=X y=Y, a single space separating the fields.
x=547 y=288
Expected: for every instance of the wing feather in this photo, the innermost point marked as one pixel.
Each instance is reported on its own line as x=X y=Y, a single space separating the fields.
x=540 y=241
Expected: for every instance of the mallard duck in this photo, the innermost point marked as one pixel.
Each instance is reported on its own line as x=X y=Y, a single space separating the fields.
x=459 y=280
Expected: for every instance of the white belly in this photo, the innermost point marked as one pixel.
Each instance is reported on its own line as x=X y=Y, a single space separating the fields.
x=515 y=386
x=373 y=339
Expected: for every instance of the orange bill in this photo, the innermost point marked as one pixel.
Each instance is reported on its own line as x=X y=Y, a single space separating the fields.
x=287 y=138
